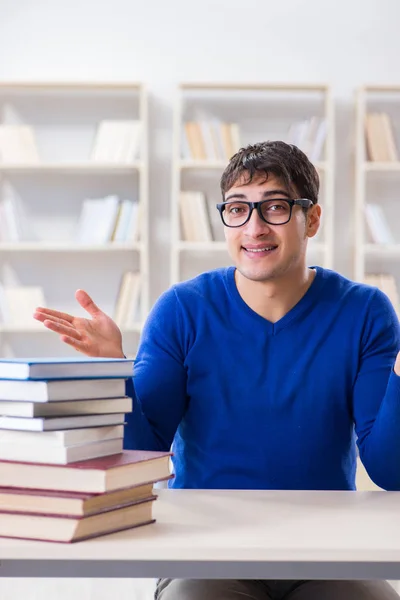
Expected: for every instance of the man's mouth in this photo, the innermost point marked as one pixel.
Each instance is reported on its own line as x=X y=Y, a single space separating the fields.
x=259 y=250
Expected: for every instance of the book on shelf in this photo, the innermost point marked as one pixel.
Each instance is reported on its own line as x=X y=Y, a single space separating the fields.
x=195 y=218
x=209 y=139
x=127 y=305
x=18 y=302
x=377 y=224
x=116 y=141
x=310 y=136
x=60 y=389
x=62 y=368
x=105 y=474
x=387 y=284
x=18 y=145
x=108 y=219
x=380 y=138
x=67 y=528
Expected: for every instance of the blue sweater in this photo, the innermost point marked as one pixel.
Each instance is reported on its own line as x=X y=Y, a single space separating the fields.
x=250 y=404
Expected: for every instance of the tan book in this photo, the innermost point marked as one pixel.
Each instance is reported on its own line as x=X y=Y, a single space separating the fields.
x=390 y=142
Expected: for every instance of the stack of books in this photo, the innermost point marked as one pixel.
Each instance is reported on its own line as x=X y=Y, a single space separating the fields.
x=64 y=474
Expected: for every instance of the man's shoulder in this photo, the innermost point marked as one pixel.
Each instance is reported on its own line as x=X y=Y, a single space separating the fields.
x=341 y=288
x=209 y=284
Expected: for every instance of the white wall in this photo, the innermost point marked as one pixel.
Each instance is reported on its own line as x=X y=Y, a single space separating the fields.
x=343 y=42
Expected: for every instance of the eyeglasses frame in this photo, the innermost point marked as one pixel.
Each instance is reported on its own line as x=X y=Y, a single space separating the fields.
x=304 y=202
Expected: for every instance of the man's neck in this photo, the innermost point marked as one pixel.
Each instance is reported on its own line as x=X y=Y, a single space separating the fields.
x=273 y=299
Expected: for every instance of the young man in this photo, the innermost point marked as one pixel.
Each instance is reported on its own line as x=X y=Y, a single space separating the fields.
x=261 y=374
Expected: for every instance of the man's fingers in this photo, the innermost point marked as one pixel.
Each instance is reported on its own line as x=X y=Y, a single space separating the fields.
x=42 y=313
x=87 y=303
x=62 y=329
x=79 y=346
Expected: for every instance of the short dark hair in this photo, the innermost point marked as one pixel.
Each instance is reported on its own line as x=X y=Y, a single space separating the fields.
x=285 y=161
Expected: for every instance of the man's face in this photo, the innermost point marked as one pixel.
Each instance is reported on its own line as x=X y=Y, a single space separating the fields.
x=260 y=251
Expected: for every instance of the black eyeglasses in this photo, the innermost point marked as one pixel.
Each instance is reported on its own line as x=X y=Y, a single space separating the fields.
x=236 y=213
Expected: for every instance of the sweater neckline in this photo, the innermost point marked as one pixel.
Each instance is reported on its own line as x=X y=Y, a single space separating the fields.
x=303 y=305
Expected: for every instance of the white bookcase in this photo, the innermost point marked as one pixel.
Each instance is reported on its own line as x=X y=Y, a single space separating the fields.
x=260 y=112
x=377 y=181
x=64 y=118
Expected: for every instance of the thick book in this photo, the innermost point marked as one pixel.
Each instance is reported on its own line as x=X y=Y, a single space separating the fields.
x=126 y=469
x=21 y=500
x=58 y=390
x=102 y=406
x=55 y=423
x=61 y=438
x=56 y=528
x=65 y=368
x=60 y=455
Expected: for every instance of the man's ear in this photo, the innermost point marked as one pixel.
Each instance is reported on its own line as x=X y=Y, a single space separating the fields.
x=313 y=220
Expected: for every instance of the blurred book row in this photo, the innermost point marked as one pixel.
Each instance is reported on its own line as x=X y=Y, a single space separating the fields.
x=215 y=140
x=380 y=138
x=63 y=471
x=101 y=220
x=378 y=225
x=18 y=303
x=115 y=141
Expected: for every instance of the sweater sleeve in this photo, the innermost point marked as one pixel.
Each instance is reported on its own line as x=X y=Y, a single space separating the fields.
x=159 y=379
x=376 y=395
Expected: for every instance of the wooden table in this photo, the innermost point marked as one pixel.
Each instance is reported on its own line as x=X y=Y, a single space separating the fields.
x=234 y=534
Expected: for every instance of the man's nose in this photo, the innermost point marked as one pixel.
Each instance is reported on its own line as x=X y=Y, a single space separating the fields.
x=255 y=225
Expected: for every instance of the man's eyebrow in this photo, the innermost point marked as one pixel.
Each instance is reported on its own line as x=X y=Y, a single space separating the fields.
x=265 y=195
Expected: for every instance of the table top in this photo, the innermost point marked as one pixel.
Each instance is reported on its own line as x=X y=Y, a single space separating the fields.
x=231 y=533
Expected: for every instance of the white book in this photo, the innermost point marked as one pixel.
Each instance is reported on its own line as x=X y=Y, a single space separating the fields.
x=65 y=368
x=11 y=226
x=132 y=313
x=59 y=390
x=116 y=141
x=317 y=149
x=124 y=216
x=21 y=302
x=377 y=224
x=56 y=423
x=97 y=220
x=17 y=144
x=60 y=455
x=94 y=406
x=64 y=437
x=124 y=299
x=134 y=224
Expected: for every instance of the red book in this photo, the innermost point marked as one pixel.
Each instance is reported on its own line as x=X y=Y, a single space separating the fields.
x=72 y=504
x=99 y=475
x=55 y=528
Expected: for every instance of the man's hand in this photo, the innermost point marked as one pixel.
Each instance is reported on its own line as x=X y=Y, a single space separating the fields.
x=98 y=336
x=397 y=365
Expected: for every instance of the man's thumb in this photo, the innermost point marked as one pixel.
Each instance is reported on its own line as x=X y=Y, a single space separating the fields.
x=87 y=303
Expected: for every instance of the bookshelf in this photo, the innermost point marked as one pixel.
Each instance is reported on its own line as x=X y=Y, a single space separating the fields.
x=90 y=142
x=377 y=180
x=236 y=115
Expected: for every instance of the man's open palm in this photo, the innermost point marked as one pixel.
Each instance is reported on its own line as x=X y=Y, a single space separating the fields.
x=96 y=336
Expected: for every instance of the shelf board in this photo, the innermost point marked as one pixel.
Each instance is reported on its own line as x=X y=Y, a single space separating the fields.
x=79 y=167
x=68 y=247
x=65 y=86
x=290 y=87
x=203 y=164
x=14 y=329
x=384 y=250
x=371 y=166
x=222 y=164
x=182 y=246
